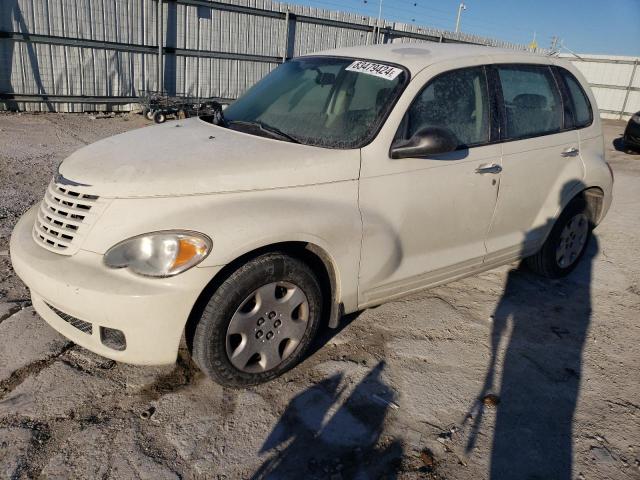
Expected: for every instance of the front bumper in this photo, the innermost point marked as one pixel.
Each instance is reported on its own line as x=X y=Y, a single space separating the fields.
x=151 y=312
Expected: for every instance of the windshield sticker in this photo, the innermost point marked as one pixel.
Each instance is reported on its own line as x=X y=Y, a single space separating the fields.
x=376 y=69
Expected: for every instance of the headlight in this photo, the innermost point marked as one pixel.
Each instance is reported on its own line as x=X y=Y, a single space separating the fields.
x=159 y=254
x=636 y=117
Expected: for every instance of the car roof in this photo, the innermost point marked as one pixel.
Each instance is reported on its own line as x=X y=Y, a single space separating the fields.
x=416 y=56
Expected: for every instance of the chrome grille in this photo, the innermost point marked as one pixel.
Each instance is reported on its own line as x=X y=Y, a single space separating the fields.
x=64 y=215
x=81 y=325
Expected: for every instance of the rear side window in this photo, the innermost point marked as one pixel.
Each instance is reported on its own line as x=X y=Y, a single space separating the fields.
x=532 y=101
x=581 y=107
x=456 y=100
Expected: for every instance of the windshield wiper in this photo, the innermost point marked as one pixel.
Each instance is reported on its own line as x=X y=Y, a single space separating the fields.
x=273 y=131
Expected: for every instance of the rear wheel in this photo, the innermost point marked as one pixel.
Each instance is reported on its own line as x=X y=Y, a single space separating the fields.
x=566 y=243
x=260 y=322
x=149 y=114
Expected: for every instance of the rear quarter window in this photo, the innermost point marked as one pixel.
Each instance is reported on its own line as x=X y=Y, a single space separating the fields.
x=582 y=110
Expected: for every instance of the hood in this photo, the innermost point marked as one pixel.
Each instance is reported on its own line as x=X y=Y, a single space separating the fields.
x=190 y=157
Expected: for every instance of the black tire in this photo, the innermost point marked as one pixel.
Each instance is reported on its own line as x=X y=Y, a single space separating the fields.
x=149 y=114
x=208 y=342
x=544 y=262
x=159 y=117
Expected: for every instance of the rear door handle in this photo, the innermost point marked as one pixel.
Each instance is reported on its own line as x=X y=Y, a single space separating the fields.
x=490 y=168
x=570 y=152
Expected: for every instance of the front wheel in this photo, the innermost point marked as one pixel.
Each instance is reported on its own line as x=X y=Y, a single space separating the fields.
x=260 y=321
x=566 y=243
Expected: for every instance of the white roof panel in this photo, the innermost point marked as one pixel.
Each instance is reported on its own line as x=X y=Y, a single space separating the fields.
x=417 y=56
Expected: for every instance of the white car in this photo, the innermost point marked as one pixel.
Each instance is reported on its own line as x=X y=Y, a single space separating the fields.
x=340 y=181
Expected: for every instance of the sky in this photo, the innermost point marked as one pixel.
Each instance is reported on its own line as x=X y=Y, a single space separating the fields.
x=586 y=26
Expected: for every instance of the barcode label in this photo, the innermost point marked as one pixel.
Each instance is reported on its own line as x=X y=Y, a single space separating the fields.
x=376 y=69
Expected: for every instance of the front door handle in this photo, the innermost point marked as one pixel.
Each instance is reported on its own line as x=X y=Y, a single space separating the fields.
x=490 y=168
x=570 y=152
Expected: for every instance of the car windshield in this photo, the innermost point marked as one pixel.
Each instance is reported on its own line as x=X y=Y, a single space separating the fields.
x=324 y=101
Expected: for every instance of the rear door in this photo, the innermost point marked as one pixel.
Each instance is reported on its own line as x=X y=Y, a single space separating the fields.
x=540 y=158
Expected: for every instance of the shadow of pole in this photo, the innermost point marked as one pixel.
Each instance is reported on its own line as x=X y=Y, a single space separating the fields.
x=321 y=434
x=7 y=48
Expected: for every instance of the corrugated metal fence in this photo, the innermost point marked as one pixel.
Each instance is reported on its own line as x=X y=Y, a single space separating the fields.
x=76 y=55
x=615 y=82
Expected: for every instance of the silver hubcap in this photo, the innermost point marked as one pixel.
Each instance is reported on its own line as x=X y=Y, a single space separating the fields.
x=267 y=327
x=572 y=240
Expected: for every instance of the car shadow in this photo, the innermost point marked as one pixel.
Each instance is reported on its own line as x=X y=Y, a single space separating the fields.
x=328 y=431
x=326 y=333
x=541 y=373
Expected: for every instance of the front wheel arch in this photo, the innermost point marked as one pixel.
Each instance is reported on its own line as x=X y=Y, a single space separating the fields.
x=317 y=258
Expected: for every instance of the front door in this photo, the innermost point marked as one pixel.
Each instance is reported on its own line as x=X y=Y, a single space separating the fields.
x=426 y=219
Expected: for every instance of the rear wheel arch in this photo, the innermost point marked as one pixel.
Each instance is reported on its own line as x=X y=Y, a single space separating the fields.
x=545 y=261
x=594 y=196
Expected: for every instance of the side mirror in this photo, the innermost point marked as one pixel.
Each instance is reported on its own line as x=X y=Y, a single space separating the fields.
x=428 y=141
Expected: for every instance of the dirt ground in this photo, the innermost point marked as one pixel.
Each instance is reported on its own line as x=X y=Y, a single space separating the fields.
x=502 y=375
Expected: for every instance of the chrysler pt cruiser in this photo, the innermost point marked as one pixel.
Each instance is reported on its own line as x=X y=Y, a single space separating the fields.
x=341 y=180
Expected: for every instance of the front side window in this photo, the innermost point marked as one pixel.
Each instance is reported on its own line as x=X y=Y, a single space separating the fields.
x=457 y=100
x=581 y=107
x=323 y=101
x=531 y=100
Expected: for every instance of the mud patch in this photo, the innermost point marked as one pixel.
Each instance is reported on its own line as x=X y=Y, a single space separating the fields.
x=184 y=374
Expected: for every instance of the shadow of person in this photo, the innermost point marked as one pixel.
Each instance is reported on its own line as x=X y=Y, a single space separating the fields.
x=541 y=372
x=320 y=434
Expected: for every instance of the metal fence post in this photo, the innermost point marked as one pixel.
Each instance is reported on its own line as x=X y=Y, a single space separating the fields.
x=626 y=96
x=289 y=36
x=159 y=35
x=386 y=35
x=285 y=49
